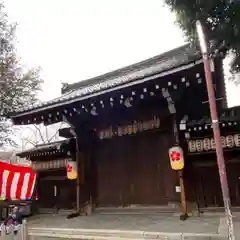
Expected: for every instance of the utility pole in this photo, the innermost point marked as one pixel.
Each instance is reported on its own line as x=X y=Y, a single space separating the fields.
x=216 y=130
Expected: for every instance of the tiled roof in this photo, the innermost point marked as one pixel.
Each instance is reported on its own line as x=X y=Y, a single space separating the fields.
x=228 y=115
x=158 y=64
x=44 y=147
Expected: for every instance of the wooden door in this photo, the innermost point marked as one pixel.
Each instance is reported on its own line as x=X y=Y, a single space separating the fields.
x=46 y=194
x=112 y=159
x=134 y=170
x=208 y=187
x=66 y=195
x=150 y=169
x=233 y=170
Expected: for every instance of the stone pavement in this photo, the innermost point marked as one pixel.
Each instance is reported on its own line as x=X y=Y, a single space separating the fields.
x=159 y=226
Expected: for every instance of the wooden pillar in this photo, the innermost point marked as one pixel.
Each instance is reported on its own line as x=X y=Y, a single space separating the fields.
x=184 y=215
x=74 y=132
x=78 y=182
x=85 y=205
x=80 y=167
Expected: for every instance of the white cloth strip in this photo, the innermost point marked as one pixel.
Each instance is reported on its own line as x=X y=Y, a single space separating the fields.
x=4 y=183
x=14 y=185
x=25 y=186
x=33 y=185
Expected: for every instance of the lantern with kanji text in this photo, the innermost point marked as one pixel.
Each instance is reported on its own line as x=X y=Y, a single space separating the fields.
x=176 y=158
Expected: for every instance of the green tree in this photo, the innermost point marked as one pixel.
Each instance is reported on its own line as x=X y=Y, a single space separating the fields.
x=17 y=86
x=220 y=18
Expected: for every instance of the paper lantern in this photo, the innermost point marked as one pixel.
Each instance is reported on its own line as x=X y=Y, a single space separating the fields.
x=71 y=170
x=230 y=141
x=135 y=128
x=192 y=146
x=157 y=124
x=237 y=140
x=223 y=141
x=130 y=129
x=176 y=158
x=206 y=144
x=199 y=145
x=101 y=135
x=213 y=144
x=120 y=131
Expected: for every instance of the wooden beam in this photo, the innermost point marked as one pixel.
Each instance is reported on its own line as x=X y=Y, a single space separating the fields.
x=184 y=215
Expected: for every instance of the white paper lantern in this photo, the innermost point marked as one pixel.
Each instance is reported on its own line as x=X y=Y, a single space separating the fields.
x=206 y=144
x=71 y=168
x=213 y=144
x=101 y=135
x=130 y=131
x=120 y=131
x=237 y=140
x=192 y=146
x=199 y=145
x=223 y=141
x=157 y=124
x=230 y=141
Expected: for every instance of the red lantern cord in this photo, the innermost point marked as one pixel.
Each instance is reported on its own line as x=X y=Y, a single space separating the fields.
x=175 y=156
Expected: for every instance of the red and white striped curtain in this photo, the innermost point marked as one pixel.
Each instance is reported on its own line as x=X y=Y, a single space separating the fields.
x=16 y=182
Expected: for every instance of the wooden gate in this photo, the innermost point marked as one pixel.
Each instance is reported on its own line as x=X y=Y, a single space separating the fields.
x=135 y=170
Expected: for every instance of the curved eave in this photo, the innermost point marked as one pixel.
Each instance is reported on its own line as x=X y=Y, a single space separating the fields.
x=48 y=106
x=50 y=148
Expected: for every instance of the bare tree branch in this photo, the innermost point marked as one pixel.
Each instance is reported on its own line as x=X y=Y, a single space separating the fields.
x=57 y=131
x=40 y=132
x=29 y=141
x=17 y=86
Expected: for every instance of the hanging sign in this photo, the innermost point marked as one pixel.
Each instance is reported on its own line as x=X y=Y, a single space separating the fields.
x=208 y=144
x=176 y=158
x=48 y=165
x=135 y=127
x=71 y=170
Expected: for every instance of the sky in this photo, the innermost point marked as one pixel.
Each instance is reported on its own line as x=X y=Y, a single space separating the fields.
x=77 y=39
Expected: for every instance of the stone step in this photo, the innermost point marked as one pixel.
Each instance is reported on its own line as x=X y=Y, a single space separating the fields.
x=136 y=210
x=104 y=234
